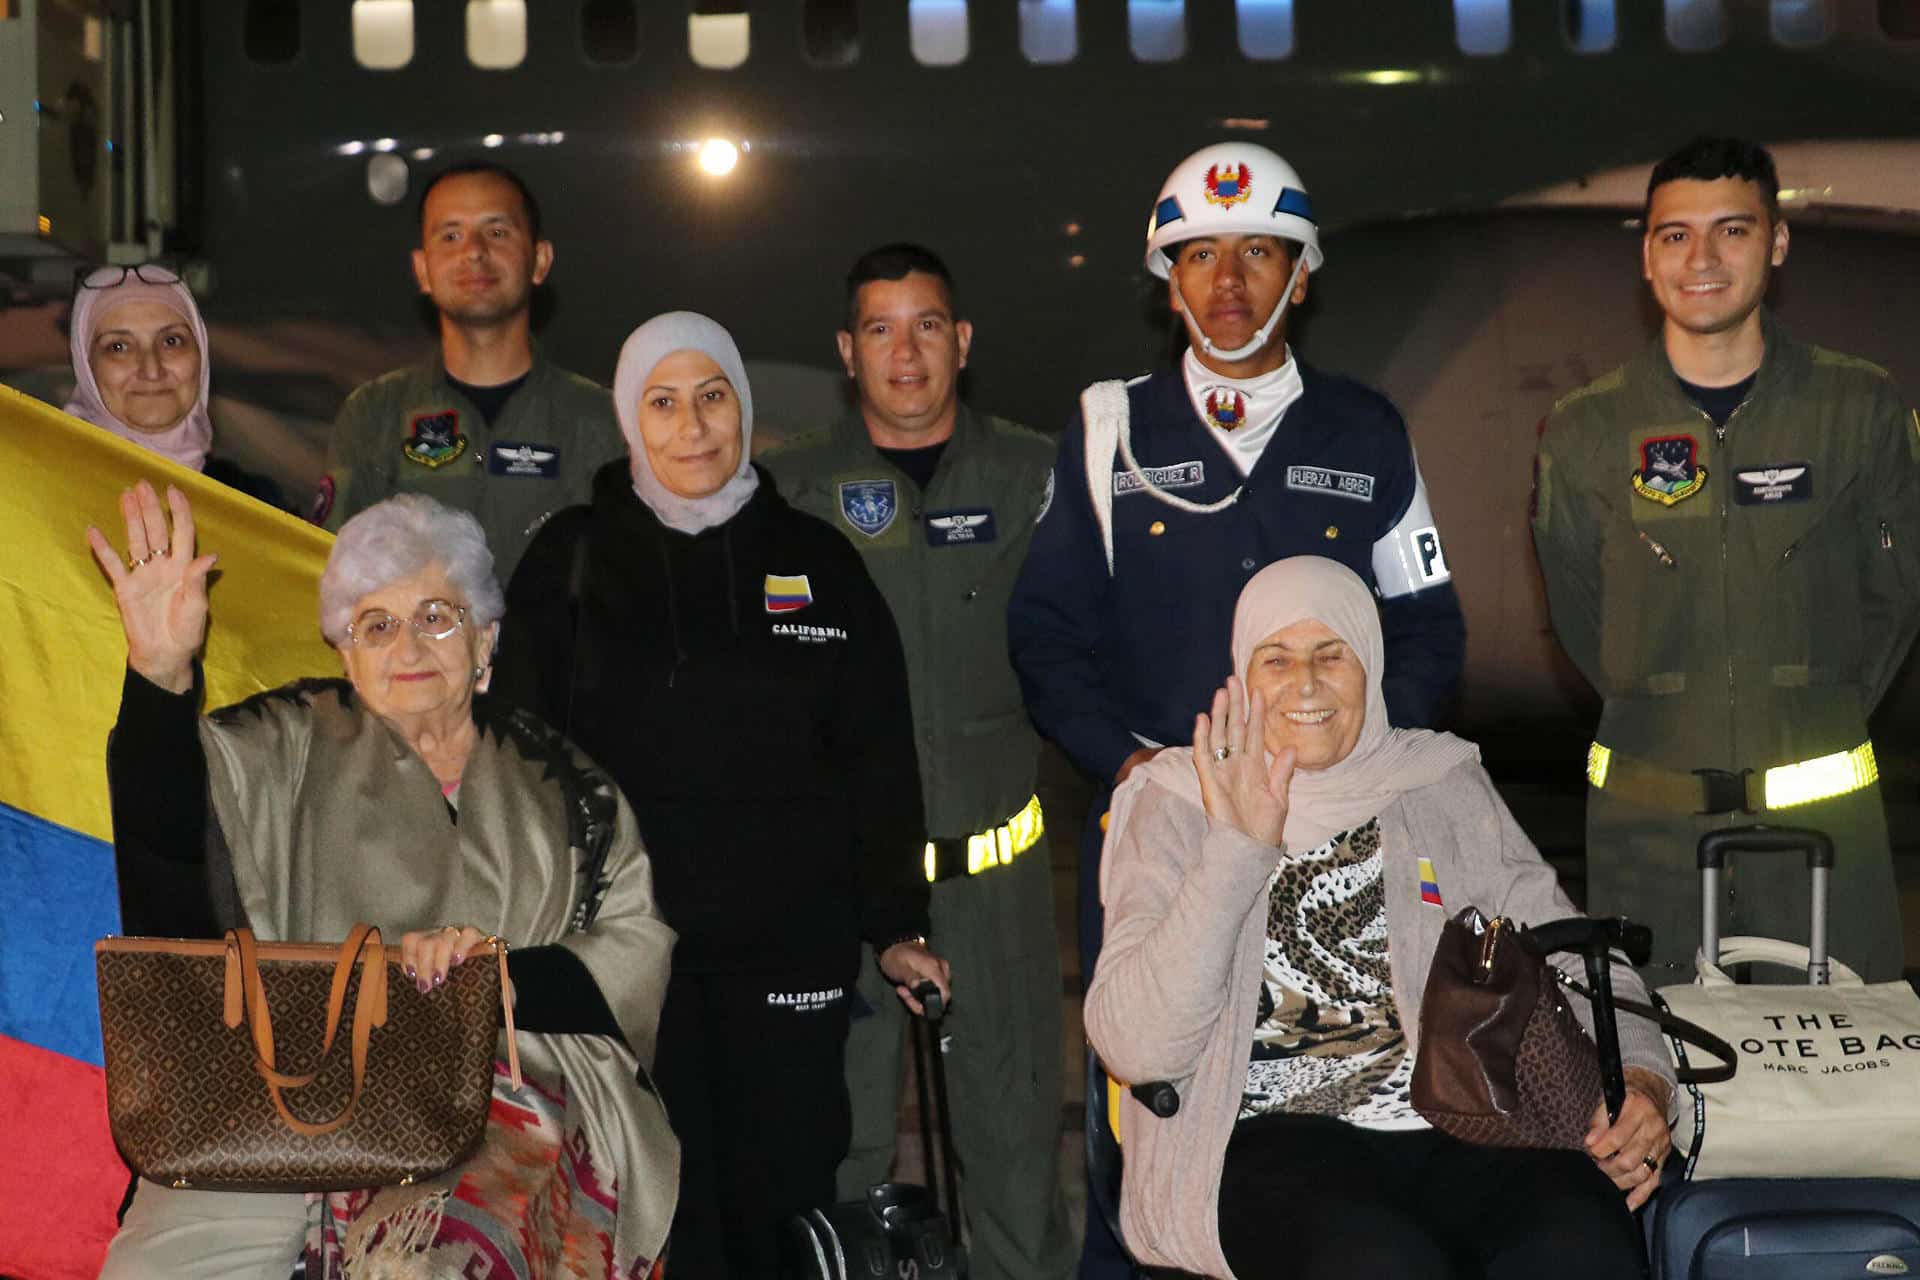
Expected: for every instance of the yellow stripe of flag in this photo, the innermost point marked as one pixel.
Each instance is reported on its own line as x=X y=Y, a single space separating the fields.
x=62 y=653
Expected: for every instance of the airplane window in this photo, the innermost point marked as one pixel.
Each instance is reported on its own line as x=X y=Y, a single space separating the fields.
x=1695 y=25
x=386 y=178
x=1049 y=32
x=830 y=32
x=1482 y=27
x=937 y=30
x=718 y=41
x=496 y=33
x=1266 y=27
x=1799 y=22
x=383 y=34
x=271 y=30
x=609 y=31
x=1157 y=29
x=1589 y=25
x=1900 y=19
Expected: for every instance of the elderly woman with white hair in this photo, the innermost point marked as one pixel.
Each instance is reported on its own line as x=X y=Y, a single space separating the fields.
x=403 y=796
x=731 y=663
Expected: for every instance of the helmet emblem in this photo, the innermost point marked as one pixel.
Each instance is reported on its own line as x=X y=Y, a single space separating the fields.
x=1226 y=408
x=1228 y=184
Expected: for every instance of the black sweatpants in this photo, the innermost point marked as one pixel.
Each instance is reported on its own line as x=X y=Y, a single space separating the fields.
x=752 y=1070
x=1307 y=1197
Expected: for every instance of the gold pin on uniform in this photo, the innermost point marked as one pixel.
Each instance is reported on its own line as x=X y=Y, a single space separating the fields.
x=1333 y=531
x=1157 y=528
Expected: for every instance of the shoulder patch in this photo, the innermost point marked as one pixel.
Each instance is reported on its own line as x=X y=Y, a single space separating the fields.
x=1599 y=386
x=1841 y=360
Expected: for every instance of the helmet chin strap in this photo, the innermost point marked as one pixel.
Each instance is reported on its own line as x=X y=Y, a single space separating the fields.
x=1259 y=339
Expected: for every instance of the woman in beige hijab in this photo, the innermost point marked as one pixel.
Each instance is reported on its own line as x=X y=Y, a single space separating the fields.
x=1274 y=895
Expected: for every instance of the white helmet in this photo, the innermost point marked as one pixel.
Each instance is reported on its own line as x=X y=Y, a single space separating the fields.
x=1231 y=189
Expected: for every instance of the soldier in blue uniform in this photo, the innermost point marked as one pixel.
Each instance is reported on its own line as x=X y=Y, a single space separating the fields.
x=1170 y=491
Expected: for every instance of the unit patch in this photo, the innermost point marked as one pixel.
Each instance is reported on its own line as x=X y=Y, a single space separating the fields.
x=510 y=458
x=787 y=592
x=869 y=505
x=958 y=528
x=1670 y=469
x=434 y=439
x=1357 y=485
x=1228 y=184
x=1774 y=482
x=1226 y=408
x=323 y=496
x=1181 y=475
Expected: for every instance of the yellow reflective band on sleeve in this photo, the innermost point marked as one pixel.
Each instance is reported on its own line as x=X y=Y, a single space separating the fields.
x=1822 y=777
x=1114 y=1090
x=999 y=846
x=1598 y=760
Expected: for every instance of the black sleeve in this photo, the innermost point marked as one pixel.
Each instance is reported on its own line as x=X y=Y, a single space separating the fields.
x=157 y=783
x=872 y=737
x=533 y=662
x=554 y=992
x=1425 y=636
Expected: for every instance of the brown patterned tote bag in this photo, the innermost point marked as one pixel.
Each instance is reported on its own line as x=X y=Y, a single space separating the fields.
x=247 y=1066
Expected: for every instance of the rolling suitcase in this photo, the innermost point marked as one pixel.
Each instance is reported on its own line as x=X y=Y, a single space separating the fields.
x=897 y=1229
x=1740 y=1228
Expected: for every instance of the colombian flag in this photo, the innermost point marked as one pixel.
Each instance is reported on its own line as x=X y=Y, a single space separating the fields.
x=1429 y=884
x=787 y=592
x=61 y=660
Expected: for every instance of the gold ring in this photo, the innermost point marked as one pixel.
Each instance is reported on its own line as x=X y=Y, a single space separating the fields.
x=1221 y=753
x=145 y=559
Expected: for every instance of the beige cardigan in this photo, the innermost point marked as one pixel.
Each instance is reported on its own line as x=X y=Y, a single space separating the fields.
x=1175 y=992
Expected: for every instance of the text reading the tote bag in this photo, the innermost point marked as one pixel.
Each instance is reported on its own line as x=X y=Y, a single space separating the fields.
x=221 y=1070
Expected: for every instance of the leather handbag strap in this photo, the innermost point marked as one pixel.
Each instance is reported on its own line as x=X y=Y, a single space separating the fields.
x=1682 y=1030
x=245 y=998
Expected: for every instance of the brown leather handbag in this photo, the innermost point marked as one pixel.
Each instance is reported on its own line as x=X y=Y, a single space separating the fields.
x=1502 y=1059
x=223 y=1070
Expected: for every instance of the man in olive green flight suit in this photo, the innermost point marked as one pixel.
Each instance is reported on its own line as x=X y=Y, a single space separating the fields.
x=941 y=503
x=488 y=425
x=1729 y=527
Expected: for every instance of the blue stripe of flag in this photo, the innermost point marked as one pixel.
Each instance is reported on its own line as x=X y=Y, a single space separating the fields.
x=59 y=894
x=1294 y=201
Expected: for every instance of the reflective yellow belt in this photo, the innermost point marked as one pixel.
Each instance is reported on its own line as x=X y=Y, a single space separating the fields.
x=985 y=850
x=1725 y=791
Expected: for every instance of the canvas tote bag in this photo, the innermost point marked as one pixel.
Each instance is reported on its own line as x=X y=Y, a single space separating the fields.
x=1829 y=1078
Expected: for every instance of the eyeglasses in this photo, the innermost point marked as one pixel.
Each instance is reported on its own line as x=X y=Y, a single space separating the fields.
x=433 y=620
x=113 y=277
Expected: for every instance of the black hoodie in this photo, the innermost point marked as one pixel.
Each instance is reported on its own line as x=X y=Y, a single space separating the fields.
x=745 y=687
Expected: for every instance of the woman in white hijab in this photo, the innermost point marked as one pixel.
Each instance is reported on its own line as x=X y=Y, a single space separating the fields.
x=1274 y=895
x=729 y=661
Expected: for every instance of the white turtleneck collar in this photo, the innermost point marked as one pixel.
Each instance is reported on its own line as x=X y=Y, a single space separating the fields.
x=1241 y=412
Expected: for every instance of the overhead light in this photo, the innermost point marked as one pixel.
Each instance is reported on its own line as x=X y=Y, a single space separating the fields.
x=350 y=148
x=385 y=144
x=493 y=140
x=423 y=153
x=1386 y=75
x=718 y=156
x=1253 y=123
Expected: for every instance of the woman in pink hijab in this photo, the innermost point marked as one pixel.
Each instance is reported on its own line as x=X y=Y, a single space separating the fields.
x=140 y=362
x=141 y=371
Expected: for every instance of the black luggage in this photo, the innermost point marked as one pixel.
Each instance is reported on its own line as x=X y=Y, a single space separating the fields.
x=1780 y=1228
x=897 y=1230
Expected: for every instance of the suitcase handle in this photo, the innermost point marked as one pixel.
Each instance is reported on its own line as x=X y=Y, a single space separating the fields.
x=1712 y=856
